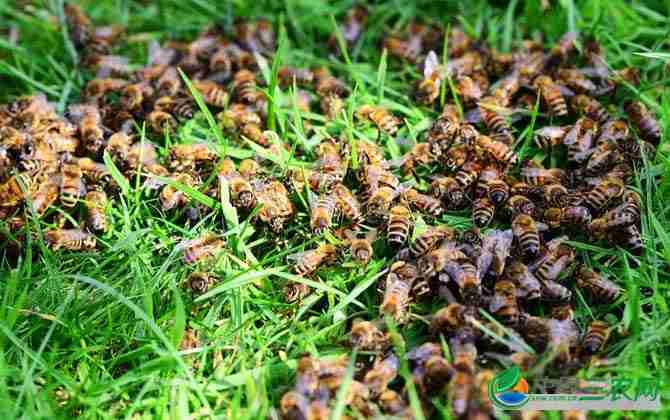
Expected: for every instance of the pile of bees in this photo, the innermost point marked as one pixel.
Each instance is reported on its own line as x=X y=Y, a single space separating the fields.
x=524 y=275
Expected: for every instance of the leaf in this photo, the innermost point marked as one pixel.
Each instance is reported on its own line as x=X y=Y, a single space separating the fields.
x=116 y=174
x=507 y=379
x=189 y=191
x=179 y=319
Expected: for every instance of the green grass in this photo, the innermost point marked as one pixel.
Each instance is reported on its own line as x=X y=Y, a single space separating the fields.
x=96 y=335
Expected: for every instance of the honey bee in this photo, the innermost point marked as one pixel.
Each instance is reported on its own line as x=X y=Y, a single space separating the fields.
x=553 y=262
x=70 y=239
x=528 y=286
x=471 y=90
x=423 y=202
x=597 y=286
x=534 y=174
x=169 y=83
x=468 y=174
x=88 y=118
x=161 y=121
x=393 y=404
x=215 y=94
x=491 y=185
x=381 y=374
x=420 y=154
x=543 y=333
x=555 y=293
x=561 y=51
x=382 y=118
x=460 y=390
x=489 y=108
x=590 y=108
x=199 y=282
x=451 y=318
x=348 y=203
x=79 y=25
x=556 y=195
x=322 y=213
x=398 y=284
x=95 y=202
x=172 y=197
x=352 y=27
x=118 y=147
x=503 y=304
x=276 y=206
x=241 y=191
x=309 y=261
x=550 y=136
x=576 y=80
x=249 y=168
x=45 y=195
x=134 y=96
x=294 y=406
x=552 y=217
x=399 y=225
x=595 y=338
x=287 y=75
x=236 y=116
x=428 y=88
x=361 y=248
x=483 y=211
x=71 y=185
x=428 y=240
x=184 y=157
x=644 y=120
x=551 y=94
x=603 y=193
x=97 y=88
x=449 y=191
x=499 y=151
x=630 y=237
x=576 y=216
x=613 y=131
x=201 y=248
x=457 y=156
x=365 y=335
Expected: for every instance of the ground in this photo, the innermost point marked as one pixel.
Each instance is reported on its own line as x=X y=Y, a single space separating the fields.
x=97 y=335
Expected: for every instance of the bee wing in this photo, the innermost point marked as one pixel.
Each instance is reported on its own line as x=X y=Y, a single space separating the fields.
x=296 y=257
x=496 y=303
x=371 y=235
x=431 y=64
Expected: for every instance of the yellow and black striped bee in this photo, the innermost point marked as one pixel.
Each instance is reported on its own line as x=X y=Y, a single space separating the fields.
x=199 y=282
x=399 y=225
x=428 y=89
x=244 y=87
x=366 y=335
x=528 y=287
x=499 y=151
x=644 y=120
x=491 y=109
x=483 y=211
x=598 y=287
x=322 y=213
x=71 y=185
x=70 y=239
x=590 y=108
x=96 y=203
x=604 y=192
x=361 y=248
x=422 y=202
x=449 y=191
x=504 y=305
x=381 y=117
x=398 y=285
x=550 y=136
x=216 y=95
x=429 y=239
x=241 y=192
x=595 y=338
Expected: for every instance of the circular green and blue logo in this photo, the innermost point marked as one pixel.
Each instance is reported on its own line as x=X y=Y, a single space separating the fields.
x=508 y=390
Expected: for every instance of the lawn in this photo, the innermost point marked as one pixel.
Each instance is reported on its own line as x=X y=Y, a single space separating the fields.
x=98 y=334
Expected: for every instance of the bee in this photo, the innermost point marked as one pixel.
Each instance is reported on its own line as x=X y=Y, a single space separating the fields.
x=201 y=248
x=172 y=197
x=423 y=202
x=347 y=203
x=534 y=174
x=471 y=90
x=294 y=406
x=118 y=147
x=383 y=372
x=460 y=390
x=457 y=156
x=448 y=190
x=361 y=248
x=95 y=202
x=561 y=51
x=236 y=116
x=352 y=28
x=328 y=85
x=241 y=191
x=528 y=286
x=365 y=335
x=276 y=206
x=45 y=195
x=645 y=122
x=604 y=192
x=444 y=130
x=556 y=195
x=467 y=278
x=90 y=127
x=543 y=333
x=322 y=213
x=71 y=185
x=97 y=88
x=451 y=318
x=382 y=118
x=555 y=293
x=420 y=154
x=576 y=216
x=428 y=88
x=249 y=169
x=595 y=338
x=161 y=121
x=199 y=282
x=483 y=211
x=79 y=26
x=576 y=80
x=613 y=131
x=393 y=404
x=590 y=108
x=553 y=262
x=398 y=284
x=552 y=217
x=468 y=174
x=503 y=304
x=550 y=136
x=399 y=225
x=70 y=239
x=134 y=95
x=185 y=157
x=551 y=94
x=169 y=83
x=499 y=151
x=288 y=75
x=429 y=239
x=491 y=185
x=574 y=415
x=213 y=93
x=489 y=108
x=629 y=237
x=309 y=261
